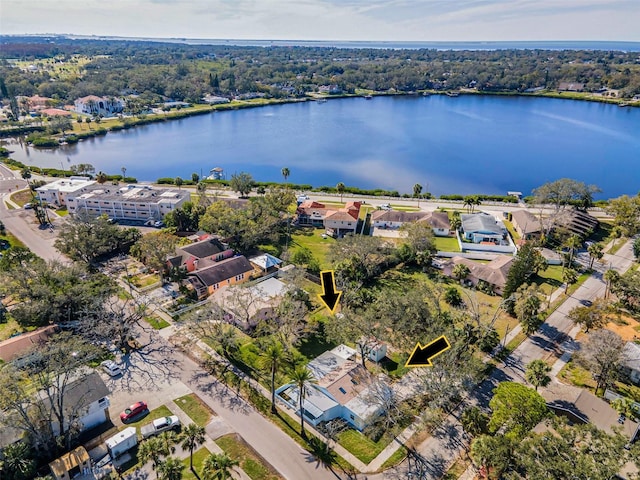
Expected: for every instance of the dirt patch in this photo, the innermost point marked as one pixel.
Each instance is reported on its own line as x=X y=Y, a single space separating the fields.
x=628 y=332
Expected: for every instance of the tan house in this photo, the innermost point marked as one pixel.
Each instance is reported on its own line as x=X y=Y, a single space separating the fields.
x=493 y=273
x=526 y=224
x=394 y=219
x=15 y=346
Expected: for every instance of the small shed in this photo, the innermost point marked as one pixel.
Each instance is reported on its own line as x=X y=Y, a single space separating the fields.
x=70 y=465
x=266 y=262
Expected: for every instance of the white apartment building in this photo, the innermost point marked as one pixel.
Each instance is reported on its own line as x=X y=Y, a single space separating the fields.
x=130 y=202
x=56 y=193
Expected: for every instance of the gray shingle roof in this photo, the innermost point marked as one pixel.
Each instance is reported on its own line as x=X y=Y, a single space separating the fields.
x=223 y=270
x=480 y=222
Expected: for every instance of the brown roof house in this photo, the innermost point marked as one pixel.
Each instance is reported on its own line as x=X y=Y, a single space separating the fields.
x=199 y=255
x=526 y=224
x=230 y=271
x=494 y=274
x=575 y=222
x=16 y=346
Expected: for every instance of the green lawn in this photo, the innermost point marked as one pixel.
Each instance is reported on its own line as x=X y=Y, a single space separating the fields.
x=9 y=328
x=550 y=280
x=198 y=459
x=250 y=461
x=398 y=456
x=446 y=244
x=576 y=375
x=195 y=409
x=362 y=447
x=512 y=230
x=13 y=240
x=156 y=323
x=312 y=239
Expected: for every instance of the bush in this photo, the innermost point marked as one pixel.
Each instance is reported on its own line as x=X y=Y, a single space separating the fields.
x=45 y=142
x=452 y=297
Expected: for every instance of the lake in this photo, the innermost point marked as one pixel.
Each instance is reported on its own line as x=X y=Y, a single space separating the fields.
x=467 y=144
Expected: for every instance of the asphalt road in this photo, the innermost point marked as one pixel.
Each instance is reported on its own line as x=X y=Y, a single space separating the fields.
x=22 y=223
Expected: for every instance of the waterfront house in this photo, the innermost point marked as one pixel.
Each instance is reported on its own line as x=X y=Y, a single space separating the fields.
x=575 y=222
x=55 y=112
x=342 y=390
x=483 y=228
x=231 y=271
x=394 y=219
x=526 y=224
x=214 y=99
x=310 y=213
x=94 y=105
x=493 y=274
x=571 y=87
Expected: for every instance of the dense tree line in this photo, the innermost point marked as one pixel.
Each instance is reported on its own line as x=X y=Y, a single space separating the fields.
x=157 y=70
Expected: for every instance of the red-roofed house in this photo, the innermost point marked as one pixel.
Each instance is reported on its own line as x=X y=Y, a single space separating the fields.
x=55 y=112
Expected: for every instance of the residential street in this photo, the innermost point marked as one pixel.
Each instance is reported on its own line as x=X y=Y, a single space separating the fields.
x=159 y=373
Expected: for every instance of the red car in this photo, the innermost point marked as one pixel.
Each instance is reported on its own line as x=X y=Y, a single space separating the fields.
x=133 y=411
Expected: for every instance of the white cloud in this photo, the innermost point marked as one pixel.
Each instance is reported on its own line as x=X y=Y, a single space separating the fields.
x=331 y=19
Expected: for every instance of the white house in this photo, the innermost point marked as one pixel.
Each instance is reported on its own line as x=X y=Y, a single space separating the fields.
x=94 y=105
x=394 y=219
x=482 y=227
x=342 y=390
x=56 y=193
x=131 y=202
x=86 y=402
x=631 y=364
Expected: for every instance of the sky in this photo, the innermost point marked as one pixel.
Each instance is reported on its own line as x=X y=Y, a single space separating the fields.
x=381 y=20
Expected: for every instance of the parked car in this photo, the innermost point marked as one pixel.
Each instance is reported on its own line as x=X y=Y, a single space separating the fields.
x=160 y=425
x=385 y=206
x=27 y=206
x=111 y=367
x=158 y=224
x=135 y=410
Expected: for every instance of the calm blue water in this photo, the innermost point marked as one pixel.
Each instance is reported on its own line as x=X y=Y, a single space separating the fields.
x=468 y=144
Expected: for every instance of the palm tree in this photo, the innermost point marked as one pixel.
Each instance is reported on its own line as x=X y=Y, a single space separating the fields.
x=537 y=373
x=271 y=359
x=285 y=173
x=569 y=277
x=611 y=276
x=152 y=450
x=178 y=181
x=192 y=436
x=101 y=177
x=460 y=271
x=417 y=190
x=170 y=469
x=302 y=378
x=595 y=253
x=16 y=462
x=340 y=189
x=124 y=172
x=25 y=173
x=572 y=243
x=218 y=467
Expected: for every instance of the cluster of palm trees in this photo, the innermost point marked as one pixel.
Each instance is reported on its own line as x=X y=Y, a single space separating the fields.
x=158 y=449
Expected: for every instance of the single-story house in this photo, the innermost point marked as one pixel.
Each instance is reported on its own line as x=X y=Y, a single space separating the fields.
x=71 y=465
x=199 y=255
x=483 y=228
x=230 y=271
x=526 y=224
x=15 y=346
x=631 y=366
x=214 y=99
x=342 y=390
x=393 y=219
x=571 y=87
x=55 y=112
x=493 y=273
x=266 y=262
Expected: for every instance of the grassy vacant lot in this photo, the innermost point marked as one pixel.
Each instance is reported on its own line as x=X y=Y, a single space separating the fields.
x=549 y=280
x=361 y=446
x=312 y=239
x=252 y=464
x=22 y=197
x=156 y=323
x=574 y=374
x=195 y=409
x=198 y=459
